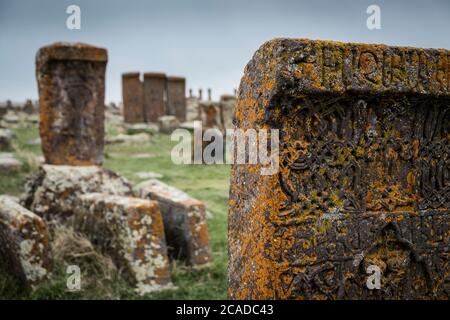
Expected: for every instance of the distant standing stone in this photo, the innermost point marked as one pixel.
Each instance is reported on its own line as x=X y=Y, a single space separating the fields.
x=71 y=83
x=131 y=230
x=176 y=97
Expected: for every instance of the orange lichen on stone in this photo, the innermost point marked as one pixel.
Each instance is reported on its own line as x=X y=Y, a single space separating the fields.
x=363 y=174
x=184 y=222
x=131 y=230
x=71 y=84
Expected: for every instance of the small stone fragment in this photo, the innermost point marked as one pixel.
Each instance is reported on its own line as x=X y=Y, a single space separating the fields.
x=71 y=83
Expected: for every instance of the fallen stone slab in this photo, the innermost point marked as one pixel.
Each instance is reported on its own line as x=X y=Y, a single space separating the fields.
x=9 y=163
x=131 y=231
x=184 y=222
x=363 y=182
x=53 y=191
x=24 y=243
x=129 y=138
x=133 y=98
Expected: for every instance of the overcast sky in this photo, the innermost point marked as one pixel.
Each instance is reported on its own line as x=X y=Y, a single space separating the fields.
x=207 y=41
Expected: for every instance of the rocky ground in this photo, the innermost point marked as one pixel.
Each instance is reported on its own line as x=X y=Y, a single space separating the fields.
x=137 y=161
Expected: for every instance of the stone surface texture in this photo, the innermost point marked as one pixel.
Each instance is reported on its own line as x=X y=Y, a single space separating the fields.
x=364 y=174
x=24 y=243
x=154 y=91
x=133 y=98
x=131 y=231
x=71 y=84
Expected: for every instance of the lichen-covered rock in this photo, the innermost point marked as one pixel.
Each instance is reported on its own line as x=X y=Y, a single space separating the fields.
x=364 y=176
x=184 y=222
x=71 y=83
x=53 y=191
x=24 y=243
x=131 y=230
x=227 y=105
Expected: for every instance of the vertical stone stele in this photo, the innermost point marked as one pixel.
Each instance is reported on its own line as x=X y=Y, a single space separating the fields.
x=364 y=174
x=154 y=91
x=24 y=243
x=132 y=97
x=71 y=84
x=131 y=230
x=176 y=97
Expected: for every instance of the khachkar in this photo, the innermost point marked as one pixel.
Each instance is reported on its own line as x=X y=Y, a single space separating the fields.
x=71 y=83
x=176 y=97
x=154 y=90
x=364 y=175
x=133 y=105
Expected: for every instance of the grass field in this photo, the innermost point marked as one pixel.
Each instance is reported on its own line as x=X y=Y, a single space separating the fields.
x=101 y=281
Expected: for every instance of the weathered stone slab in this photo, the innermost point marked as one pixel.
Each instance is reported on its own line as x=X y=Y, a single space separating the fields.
x=184 y=222
x=364 y=173
x=53 y=191
x=154 y=90
x=131 y=230
x=133 y=98
x=210 y=115
x=24 y=243
x=227 y=105
x=71 y=83
x=176 y=97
